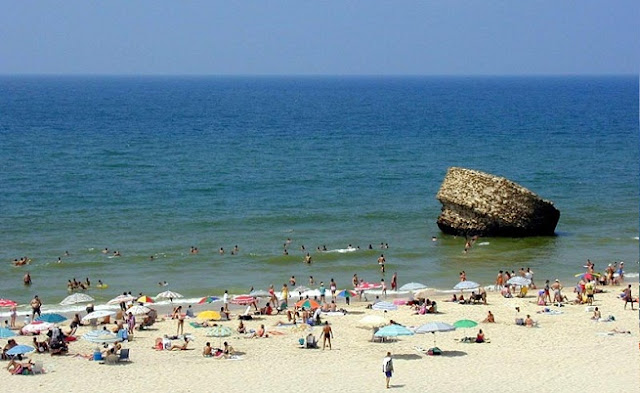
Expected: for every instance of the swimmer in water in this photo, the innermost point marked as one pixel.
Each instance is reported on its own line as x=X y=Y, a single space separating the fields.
x=27 y=279
x=307 y=259
x=221 y=251
x=163 y=283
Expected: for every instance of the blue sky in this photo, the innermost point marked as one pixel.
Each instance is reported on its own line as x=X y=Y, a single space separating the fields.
x=334 y=37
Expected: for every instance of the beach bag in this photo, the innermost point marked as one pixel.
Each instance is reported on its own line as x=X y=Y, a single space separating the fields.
x=434 y=352
x=519 y=321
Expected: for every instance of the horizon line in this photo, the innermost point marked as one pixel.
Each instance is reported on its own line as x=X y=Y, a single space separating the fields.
x=259 y=75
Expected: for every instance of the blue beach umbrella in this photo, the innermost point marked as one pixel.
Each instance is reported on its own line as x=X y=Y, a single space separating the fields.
x=6 y=333
x=393 y=331
x=51 y=318
x=20 y=350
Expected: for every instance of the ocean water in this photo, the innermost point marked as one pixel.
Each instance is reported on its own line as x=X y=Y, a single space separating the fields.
x=155 y=165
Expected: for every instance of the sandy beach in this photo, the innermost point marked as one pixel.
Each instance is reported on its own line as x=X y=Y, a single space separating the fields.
x=567 y=351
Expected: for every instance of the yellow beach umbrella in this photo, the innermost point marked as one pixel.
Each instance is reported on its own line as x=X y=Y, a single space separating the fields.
x=209 y=314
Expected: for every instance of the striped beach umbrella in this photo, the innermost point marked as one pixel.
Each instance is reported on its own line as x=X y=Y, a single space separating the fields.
x=243 y=300
x=144 y=299
x=209 y=299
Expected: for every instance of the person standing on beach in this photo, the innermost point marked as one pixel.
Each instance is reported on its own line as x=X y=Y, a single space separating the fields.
x=36 y=304
x=384 y=288
x=387 y=367
x=327 y=334
x=225 y=300
x=627 y=297
x=354 y=280
x=322 y=291
x=394 y=281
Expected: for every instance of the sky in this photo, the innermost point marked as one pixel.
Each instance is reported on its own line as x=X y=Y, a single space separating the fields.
x=368 y=37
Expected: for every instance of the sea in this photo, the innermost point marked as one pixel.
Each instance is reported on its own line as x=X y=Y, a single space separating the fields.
x=152 y=166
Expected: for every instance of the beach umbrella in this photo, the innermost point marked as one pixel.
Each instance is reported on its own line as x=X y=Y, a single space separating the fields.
x=121 y=299
x=209 y=314
x=393 y=331
x=36 y=327
x=98 y=314
x=433 y=327
x=412 y=286
x=51 y=318
x=423 y=293
x=219 y=331
x=20 y=350
x=465 y=323
x=6 y=333
x=76 y=298
x=169 y=295
x=144 y=299
x=344 y=292
x=209 y=299
x=7 y=303
x=519 y=281
x=308 y=304
x=466 y=285
x=365 y=286
x=101 y=337
x=243 y=300
x=301 y=289
x=259 y=293
x=138 y=310
x=372 y=321
x=384 y=306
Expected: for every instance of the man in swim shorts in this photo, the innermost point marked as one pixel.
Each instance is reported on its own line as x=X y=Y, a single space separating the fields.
x=327 y=334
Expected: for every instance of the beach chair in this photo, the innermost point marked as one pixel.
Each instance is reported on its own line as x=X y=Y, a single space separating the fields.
x=37 y=367
x=124 y=355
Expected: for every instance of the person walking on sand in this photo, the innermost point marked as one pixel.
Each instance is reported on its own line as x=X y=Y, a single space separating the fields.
x=387 y=367
x=327 y=335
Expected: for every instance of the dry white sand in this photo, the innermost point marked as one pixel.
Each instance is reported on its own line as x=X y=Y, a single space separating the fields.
x=565 y=353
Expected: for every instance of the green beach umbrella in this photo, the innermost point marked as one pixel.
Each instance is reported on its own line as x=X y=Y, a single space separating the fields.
x=465 y=323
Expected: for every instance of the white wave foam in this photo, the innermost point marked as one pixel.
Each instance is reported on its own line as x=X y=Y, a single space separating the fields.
x=484 y=243
x=343 y=250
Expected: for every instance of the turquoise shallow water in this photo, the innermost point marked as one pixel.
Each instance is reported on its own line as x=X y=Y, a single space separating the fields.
x=154 y=165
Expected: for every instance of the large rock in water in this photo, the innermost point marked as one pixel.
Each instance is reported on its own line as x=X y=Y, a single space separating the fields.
x=477 y=203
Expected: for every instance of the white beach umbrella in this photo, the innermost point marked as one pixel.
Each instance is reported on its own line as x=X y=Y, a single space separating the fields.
x=372 y=321
x=433 y=327
x=36 y=327
x=98 y=314
x=519 y=281
x=423 y=293
x=138 y=310
x=169 y=295
x=412 y=286
x=76 y=298
x=466 y=285
x=101 y=336
x=384 y=306
x=122 y=299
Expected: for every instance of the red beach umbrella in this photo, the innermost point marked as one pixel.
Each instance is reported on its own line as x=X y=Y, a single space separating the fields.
x=243 y=300
x=7 y=303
